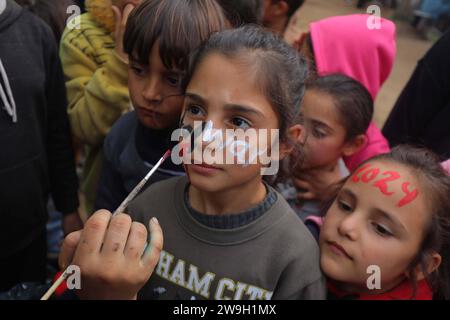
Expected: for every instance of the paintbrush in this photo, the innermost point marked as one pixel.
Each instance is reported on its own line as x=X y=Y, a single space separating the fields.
x=120 y=209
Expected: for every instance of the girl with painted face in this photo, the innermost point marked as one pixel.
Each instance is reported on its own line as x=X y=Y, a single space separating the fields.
x=386 y=234
x=223 y=226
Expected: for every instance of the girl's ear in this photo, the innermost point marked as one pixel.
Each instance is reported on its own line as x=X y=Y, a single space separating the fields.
x=432 y=263
x=276 y=10
x=296 y=135
x=354 y=145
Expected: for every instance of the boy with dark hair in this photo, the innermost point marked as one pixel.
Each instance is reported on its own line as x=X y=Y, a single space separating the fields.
x=158 y=53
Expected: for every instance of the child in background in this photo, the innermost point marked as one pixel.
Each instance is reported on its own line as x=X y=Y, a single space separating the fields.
x=240 y=12
x=391 y=215
x=336 y=112
x=345 y=45
x=158 y=52
x=278 y=15
x=223 y=226
x=95 y=68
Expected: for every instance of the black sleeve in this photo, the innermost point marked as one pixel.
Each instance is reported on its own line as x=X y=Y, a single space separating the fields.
x=60 y=155
x=111 y=191
x=422 y=100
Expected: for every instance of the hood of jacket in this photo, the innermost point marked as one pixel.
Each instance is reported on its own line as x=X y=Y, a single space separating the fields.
x=346 y=45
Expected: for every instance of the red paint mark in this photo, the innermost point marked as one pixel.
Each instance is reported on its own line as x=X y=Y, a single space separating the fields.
x=409 y=195
x=355 y=177
x=369 y=175
x=382 y=184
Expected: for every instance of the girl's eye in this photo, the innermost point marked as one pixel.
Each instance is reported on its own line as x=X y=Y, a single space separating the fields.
x=240 y=123
x=194 y=110
x=381 y=230
x=344 y=206
x=318 y=133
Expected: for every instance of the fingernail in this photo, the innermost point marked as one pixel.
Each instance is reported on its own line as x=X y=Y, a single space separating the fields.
x=155 y=221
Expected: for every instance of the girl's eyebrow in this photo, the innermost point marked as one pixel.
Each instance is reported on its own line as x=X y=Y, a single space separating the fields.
x=243 y=109
x=349 y=193
x=391 y=218
x=195 y=97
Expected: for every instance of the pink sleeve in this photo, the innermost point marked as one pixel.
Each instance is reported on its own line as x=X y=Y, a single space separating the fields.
x=446 y=166
x=316 y=220
x=376 y=144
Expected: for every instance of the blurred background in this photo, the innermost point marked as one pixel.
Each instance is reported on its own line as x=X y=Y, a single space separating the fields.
x=419 y=25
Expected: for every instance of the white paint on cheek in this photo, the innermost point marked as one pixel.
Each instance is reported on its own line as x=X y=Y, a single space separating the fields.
x=207 y=135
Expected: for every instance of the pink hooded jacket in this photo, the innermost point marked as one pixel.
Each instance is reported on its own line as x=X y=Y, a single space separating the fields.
x=345 y=44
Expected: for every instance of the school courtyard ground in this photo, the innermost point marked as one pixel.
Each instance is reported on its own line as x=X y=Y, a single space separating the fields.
x=410 y=47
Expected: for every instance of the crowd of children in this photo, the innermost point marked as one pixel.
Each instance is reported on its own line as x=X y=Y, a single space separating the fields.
x=132 y=73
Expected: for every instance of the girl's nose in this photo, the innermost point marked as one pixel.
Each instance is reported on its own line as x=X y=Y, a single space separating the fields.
x=348 y=227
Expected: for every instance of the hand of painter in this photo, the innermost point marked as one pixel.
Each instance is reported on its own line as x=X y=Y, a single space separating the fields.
x=112 y=255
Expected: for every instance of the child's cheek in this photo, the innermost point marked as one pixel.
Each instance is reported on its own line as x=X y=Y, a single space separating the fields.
x=330 y=225
x=372 y=255
x=321 y=149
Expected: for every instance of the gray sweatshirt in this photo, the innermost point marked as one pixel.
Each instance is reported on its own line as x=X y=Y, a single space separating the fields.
x=272 y=257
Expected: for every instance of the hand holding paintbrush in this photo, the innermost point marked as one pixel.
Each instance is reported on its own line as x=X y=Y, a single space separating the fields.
x=112 y=252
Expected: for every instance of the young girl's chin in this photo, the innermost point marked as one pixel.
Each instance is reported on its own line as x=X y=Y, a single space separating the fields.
x=333 y=268
x=210 y=179
x=204 y=179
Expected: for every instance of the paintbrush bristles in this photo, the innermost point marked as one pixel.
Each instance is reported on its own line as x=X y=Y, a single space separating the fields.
x=140 y=185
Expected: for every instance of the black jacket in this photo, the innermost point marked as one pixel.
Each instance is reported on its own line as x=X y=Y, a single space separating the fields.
x=36 y=156
x=421 y=115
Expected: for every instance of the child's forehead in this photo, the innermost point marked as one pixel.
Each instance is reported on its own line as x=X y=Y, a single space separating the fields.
x=321 y=105
x=385 y=164
x=154 y=60
x=222 y=68
x=393 y=182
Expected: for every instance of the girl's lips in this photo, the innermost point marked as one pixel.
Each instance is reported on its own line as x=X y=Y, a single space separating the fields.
x=204 y=168
x=338 y=249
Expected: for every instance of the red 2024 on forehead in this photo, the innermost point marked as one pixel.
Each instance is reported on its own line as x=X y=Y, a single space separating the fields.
x=367 y=174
